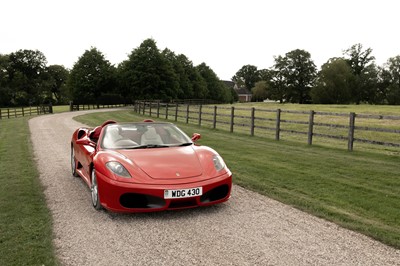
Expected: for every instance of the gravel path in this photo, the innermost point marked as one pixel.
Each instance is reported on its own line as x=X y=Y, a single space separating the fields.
x=249 y=229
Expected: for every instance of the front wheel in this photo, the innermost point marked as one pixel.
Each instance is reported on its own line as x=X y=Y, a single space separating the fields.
x=73 y=162
x=95 y=191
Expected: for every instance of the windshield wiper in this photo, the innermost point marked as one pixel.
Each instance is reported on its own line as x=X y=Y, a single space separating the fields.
x=147 y=146
x=184 y=144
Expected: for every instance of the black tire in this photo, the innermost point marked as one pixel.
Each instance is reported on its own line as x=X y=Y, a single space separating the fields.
x=94 y=190
x=73 y=162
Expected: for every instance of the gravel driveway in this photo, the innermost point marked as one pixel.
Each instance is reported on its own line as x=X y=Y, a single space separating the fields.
x=249 y=229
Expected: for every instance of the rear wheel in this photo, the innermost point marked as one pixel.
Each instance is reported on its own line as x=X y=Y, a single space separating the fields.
x=95 y=191
x=73 y=162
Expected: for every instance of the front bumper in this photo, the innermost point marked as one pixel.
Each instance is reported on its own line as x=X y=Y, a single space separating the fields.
x=128 y=197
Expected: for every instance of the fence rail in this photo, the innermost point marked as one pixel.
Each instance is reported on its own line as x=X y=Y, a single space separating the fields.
x=339 y=126
x=77 y=107
x=6 y=113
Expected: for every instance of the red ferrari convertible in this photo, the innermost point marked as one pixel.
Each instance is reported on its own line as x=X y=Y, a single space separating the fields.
x=148 y=166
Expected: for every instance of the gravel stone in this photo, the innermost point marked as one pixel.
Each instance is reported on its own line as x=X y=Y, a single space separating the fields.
x=249 y=229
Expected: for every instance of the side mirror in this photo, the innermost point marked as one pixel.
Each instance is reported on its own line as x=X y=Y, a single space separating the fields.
x=196 y=137
x=86 y=141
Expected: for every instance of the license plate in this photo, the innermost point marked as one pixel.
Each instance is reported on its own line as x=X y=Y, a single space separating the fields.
x=183 y=193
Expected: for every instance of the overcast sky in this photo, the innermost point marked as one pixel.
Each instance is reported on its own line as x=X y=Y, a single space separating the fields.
x=225 y=34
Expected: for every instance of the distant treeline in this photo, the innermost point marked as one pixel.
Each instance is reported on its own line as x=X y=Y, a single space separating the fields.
x=149 y=73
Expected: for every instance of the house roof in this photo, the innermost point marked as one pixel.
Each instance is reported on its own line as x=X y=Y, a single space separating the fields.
x=229 y=83
x=243 y=90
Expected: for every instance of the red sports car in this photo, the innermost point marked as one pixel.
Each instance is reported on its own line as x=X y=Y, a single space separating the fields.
x=148 y=166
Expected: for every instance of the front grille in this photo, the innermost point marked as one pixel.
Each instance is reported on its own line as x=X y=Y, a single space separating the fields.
x=186 y=203
x=141 y=201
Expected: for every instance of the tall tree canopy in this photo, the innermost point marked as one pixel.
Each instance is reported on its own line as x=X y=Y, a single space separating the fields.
x=293 y=76
x=334 y=83
x=91 y=76
x=248 y=75
x=365 y=82
x=150 y=75
x=56 y=80
x=215 y=87
x=389 y=81
x=25 y=77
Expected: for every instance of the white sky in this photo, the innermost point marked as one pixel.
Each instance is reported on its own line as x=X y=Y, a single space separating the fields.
x=225 y=34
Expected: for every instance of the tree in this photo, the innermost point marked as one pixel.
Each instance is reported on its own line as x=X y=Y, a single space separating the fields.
x=5 y=91
x=365 y=72
x=57 y=76
x=389 y=81
x=248 y=75
x=334 y=83
x=260 y=91
x=216 y=88
x=149 y=74
x=300 y=73
x=278 y=89
x=91 y=76
x=25 y=77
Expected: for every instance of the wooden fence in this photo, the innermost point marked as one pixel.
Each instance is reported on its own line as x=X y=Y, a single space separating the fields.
x=25 y=111
x=340 y=126
x=77 y=107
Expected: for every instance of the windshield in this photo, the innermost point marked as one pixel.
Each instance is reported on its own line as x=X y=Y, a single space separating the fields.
x=143 y=135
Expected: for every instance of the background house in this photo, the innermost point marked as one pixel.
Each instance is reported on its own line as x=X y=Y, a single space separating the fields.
x=244 y=94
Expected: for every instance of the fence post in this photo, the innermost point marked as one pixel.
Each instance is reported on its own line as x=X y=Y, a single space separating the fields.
x=232 y=118
x=215 y=117
x=166 y=112
x=158 y=109
x=23 y=113
x=278 y=124
x=8 y=113
x=144 y=107
x=150 y=104
x=200 y=109
x=176 y=112
x=252 y=121
x=0 y=114
x=187 y=114
x=311 y=127
x=15 y=112
x=351 y=131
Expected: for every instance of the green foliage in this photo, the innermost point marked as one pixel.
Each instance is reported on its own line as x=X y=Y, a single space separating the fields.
x=149 y=74
x=25 y=74
x=260 y=91
x=389 y=81
x=215 y=87
x=25 y=222
x=300 y=75
x=334 y=83
x=365 y=72
x=292 y=77
x=56 y=80
x=278 y=89
x=248 y=75
x=91 y=76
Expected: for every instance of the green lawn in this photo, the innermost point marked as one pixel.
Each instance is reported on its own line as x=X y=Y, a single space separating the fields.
x=25 y=221
x=357 y=190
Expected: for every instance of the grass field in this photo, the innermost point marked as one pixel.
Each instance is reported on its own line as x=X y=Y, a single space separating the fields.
x=25 y=222
x=357 y=190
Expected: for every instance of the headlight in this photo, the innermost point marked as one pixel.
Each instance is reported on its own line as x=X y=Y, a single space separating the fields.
x=218 y=162
x=118 y=169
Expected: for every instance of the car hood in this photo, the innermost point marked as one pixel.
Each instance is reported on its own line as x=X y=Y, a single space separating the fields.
x=166 y=163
